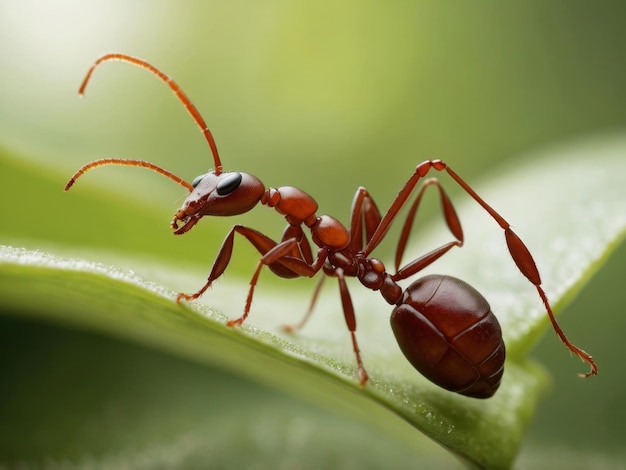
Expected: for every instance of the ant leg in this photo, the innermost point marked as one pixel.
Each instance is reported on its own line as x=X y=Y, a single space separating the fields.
x=452 y=220
x=423 y=261
x=301 y=250
x=348 y=312
x=364 y=211
x=293 y=266
x=526 y=264
x=301 y=323
x=364 y=216
x=273 y=255
x=260 y=241
x=279 y=254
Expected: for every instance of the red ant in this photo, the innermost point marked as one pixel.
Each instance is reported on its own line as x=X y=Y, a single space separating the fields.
x=444 y=327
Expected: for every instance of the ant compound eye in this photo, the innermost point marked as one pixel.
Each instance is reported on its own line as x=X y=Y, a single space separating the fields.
x=229 y=184
x=197 y=179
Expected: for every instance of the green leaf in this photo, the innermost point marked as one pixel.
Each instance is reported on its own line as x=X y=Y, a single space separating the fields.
x=568 y=208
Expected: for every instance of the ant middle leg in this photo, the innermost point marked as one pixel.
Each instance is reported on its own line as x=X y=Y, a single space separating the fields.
x=348 y=312
x=279 y=255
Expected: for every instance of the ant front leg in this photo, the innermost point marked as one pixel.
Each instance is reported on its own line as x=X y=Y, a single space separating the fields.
x=279 y=256
x=300 y=250
x=262 y=243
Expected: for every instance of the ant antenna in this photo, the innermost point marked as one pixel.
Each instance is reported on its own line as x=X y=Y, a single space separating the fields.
x=125 y=162
x=180 y=94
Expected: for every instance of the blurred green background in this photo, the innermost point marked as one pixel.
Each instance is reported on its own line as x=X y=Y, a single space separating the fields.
x=325 y=96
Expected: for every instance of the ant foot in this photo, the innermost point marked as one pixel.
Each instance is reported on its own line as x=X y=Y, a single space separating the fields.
x=236 y=322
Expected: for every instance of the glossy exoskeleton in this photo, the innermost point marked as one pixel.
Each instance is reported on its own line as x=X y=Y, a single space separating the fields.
x=444 y=327
x=448 y=332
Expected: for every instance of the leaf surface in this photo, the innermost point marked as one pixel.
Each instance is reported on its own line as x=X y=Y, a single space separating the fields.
x=570 y=211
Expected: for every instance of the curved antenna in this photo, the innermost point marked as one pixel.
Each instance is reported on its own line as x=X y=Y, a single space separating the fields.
x=180 y=94
x=125 y=162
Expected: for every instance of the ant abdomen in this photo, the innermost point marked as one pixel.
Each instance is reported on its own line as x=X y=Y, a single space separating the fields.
x=447 y=331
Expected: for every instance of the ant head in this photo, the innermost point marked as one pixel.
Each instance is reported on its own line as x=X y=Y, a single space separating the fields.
x=219 y=194
x=214 y=193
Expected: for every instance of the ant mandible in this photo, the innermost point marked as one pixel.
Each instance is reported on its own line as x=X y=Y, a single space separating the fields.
x=444 y=327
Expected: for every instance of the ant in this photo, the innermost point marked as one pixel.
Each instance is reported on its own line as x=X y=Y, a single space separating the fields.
x=444 y=327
